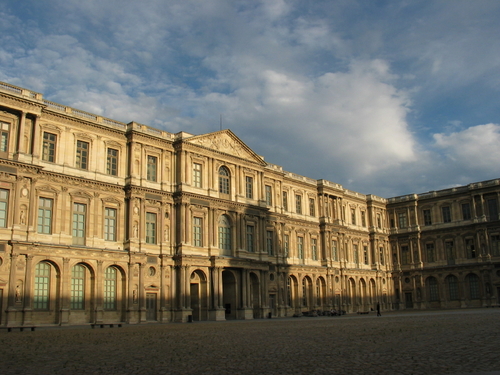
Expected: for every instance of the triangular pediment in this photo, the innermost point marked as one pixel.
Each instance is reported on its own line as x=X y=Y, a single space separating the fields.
x=227 y=142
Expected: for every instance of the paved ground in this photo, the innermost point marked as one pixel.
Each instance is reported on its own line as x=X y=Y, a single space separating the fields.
x=437 y=342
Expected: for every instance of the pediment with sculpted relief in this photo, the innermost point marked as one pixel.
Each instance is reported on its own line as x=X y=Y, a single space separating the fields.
x=227 y=142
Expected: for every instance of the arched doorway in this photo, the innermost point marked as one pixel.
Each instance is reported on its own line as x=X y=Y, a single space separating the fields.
x=199 y=297
x=229 y=297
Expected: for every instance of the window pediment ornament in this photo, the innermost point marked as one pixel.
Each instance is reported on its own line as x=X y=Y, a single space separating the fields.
x=84 y=136
x=50 y=127
x=81 y=194
x=47 y=188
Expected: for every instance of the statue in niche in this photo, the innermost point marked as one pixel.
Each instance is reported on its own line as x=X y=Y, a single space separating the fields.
x=136 y=230
x=165 y=234
x=22 y=218
x=134 y=296
x=19 y=294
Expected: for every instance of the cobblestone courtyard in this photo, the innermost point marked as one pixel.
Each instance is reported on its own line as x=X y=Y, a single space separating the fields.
x=433 y=342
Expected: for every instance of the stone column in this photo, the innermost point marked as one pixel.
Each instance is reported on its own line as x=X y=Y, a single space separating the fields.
x=28 y=287
x=65 y=292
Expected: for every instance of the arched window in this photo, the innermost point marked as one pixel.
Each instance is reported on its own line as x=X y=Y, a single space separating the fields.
x=42 y=286
x=110 y=289
x=432 y=289
x=77 y=287
x=473 y=281
x=452 y=282
x=224 y=187
x=225 y=235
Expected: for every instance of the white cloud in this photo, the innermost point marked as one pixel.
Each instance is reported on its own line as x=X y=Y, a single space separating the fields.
x=474 y=147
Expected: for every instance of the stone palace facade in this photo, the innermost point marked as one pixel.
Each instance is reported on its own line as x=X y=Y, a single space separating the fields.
x=102 y=221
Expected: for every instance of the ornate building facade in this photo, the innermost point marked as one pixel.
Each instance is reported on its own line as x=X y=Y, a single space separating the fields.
x=102 y=221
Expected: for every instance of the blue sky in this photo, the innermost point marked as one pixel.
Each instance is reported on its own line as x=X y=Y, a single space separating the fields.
x=383 y=97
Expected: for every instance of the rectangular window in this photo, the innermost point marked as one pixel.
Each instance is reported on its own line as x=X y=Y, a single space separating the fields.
x=495 y=245
x=110 y=224
x=112 y=162
x=300 y=247
x=249 y=187
x=79 y=220
x=363 y=218
x=269 y=199
x=356 y=255
x=405 y=255
x=197 y=175
x=286 y=245
x=466 y=212
x=379 y=221
x=381 y=252
x=430 y=252
x=402 y=220
x=44 y=215
x=335 y=253
x=4 y=136
x=42 y=286
x=427 y=217
x=4 y=205
x=298 y=204
x=365 y=254
x=110 y=289
x=469 y=248
x=493 y=209
x=197 y=231
x=150 y=227
x=250 y=238
x=312 y=208
x=285 y=201
x=314 y=248
x=269 y=242
x=152 y=168
x=353 y=216
x=82 y=154
x=49 y=147
x=446 y=214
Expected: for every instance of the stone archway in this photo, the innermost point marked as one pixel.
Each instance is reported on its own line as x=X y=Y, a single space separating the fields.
x=199 y=295
x=229 y=295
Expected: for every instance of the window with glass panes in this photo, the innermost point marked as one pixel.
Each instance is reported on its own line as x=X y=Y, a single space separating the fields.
x=379 y=221
x=82 y=154
x=363 y=218
x=446 y=214
x=453 y=287
x=249 y=187
x=466 y=212
x=225 y=235
x=448 y=247
x=473 y=281
x=152 y=167
x=250 y=238
x=4 y=136
x=405 y=255
x=430 y=252
x=427 y=217
x=112 y=162
x=151 y=227
x=492 y=208
x=314 y=248
x=381 y=252
x=312 y=208
x=79 y=216
x=44 y=224
x=495 y=245
x=298 y=204
x=365 y=254
x=335 y=253
x=353 y=216
x=223 y=180
x=110 y=288
x=433 y=291
x=300 y=247
x=197 y=175
x=285 y=200
x=197 y=231
x=269 y=198
x=4 y=205
x=49 y=147
x=77 y=287
x=110 y=224
x=402 y=220
x=269 y=242
x=42 y=286
x=356 y=254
